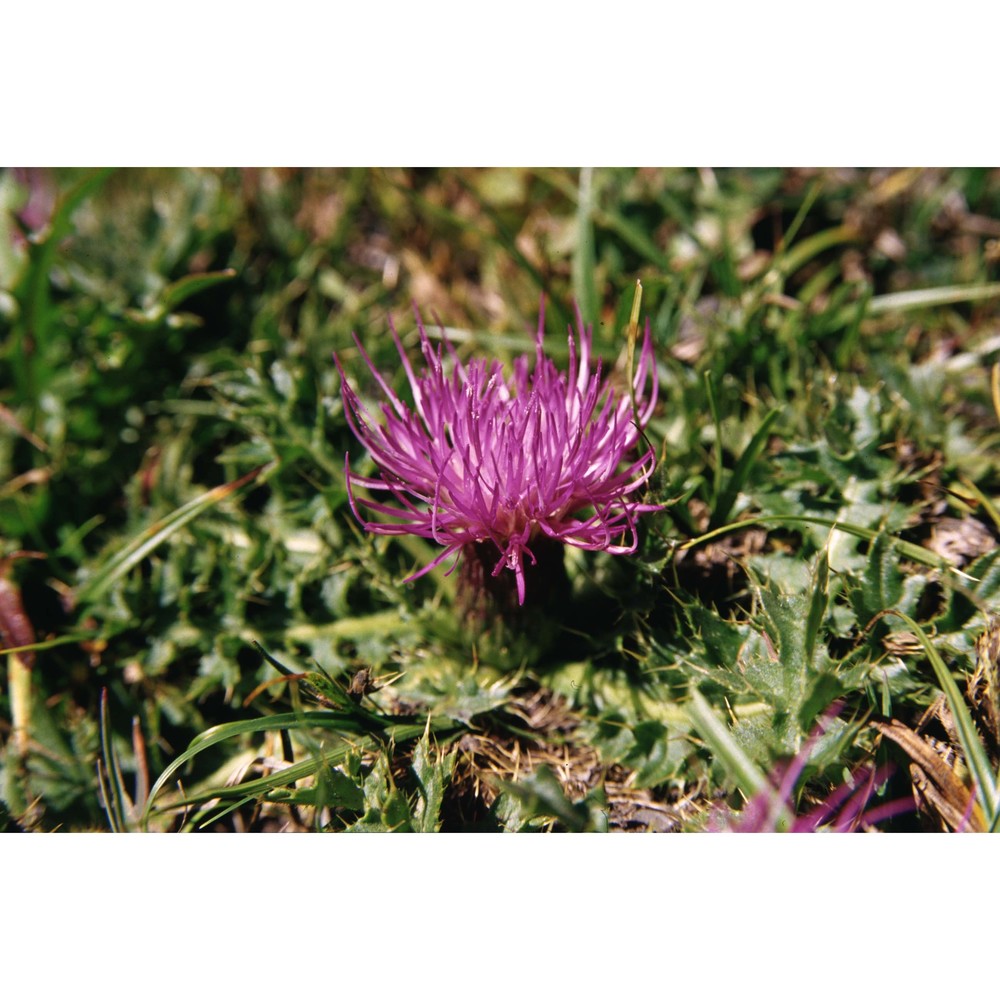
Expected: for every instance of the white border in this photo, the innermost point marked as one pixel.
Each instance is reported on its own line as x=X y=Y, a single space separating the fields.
x=523 y=83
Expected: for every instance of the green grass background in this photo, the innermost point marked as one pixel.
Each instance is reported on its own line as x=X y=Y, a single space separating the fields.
x=824 y=341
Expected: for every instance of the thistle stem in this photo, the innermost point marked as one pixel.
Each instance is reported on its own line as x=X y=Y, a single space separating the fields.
x=488 y=604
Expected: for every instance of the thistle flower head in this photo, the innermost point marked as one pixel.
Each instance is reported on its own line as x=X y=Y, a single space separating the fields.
x=506 y=460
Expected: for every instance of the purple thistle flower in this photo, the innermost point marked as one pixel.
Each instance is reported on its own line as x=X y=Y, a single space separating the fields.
x=845 y=809
x=514 y=461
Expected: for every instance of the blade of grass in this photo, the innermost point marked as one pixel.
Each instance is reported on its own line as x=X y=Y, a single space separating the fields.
x=986 y=503
x=908 y=549
x=181 y=290
x=741 y=473
x=376 y=624
x=972 y=746
x=632 y=335
x=608 y=218
x=521 y=342
x=800 y=216
x=62 y=640
x=584 y=259
x=32 y=334
x=135 y=551
x=749 y=778
x=818 y=602
x=206 y=816
x=713 y=406
x=109 y=774
x=812 y=246
x=927 y=297
x=355 y=724
x=847 y=348
x=178 y=292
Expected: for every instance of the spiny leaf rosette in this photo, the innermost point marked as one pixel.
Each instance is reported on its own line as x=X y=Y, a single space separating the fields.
x=510 y=465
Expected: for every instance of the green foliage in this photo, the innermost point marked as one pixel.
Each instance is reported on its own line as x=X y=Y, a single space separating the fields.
x=539 y=799
x=172 y=445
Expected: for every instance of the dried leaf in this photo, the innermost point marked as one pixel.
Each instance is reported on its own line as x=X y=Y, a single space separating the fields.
x=937 y=788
